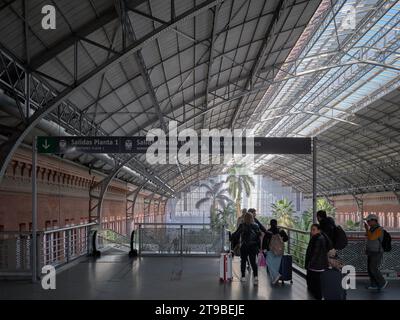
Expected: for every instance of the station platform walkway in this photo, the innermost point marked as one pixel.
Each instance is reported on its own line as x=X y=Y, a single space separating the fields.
x=115 y=276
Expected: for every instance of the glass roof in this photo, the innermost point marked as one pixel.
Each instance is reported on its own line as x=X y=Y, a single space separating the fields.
x=345 y=61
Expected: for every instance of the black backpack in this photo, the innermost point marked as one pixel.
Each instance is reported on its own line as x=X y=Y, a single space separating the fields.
x=340 y=238
x=386 y=241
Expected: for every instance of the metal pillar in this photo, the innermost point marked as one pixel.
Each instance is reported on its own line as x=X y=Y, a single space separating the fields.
x=136 y=193
x=34 y=211
x=314 y=176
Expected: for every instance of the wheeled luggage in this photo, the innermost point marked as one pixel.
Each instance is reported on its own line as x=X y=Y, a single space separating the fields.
x=286 y=268
x=225 y=267
x=331 y=285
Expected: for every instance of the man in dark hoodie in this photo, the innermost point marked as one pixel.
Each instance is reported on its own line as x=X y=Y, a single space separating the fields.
x=317 y=260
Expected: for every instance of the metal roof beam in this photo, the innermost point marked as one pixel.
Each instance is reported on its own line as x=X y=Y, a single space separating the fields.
x=260 y=55
x=8 y=148
x=211 y=58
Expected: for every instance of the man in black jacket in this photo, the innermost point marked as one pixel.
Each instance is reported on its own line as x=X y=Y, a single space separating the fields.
x=327 y=224
x=254 y=213
x=316 y=260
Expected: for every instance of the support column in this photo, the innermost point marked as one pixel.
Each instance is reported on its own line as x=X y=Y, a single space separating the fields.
x=34 y=211
x=314 y=180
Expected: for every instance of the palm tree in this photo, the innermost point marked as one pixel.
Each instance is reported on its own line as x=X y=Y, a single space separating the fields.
x=237 y=183
x=282 y=210
x=226 y=216
x=216 y=195
x=323 y=204
x=305 y=221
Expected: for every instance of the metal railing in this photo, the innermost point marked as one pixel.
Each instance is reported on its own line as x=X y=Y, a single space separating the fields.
x=181 y=239
x=297 y=245
x=54 y=247
x=353 y=254
x=15 y=253
x=107 y=238
x=63 y=245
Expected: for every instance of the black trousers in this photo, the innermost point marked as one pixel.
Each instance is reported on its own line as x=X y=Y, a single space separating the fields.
x=248 y=253
x=314 y=284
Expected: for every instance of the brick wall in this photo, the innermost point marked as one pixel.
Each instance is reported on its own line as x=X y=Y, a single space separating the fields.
x=384 y=204
x=63 y=196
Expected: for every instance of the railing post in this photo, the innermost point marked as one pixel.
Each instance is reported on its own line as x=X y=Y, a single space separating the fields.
x=181 y=239
x=289 y=240
x=87 y=238
x=140 y=238
x=67 y=244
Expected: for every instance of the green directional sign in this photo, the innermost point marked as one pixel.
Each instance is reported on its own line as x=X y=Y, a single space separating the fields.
x=47 y=144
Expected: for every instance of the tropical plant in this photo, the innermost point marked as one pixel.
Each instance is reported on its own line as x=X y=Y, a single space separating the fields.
x=237 y=183
x=226 y=216
x=351 y=225
x=305 y=221
x=323 y=204
x=216 y=195
x=299 y=240
x=282 y=211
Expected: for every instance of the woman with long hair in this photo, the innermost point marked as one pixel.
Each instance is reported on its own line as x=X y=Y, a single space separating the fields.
x=249 y=234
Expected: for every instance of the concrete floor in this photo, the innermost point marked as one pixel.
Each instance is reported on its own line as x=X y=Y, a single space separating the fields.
x=115 y=276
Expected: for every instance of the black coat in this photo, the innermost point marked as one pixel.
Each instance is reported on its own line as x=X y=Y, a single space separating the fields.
x=317 y=252
x=328 y=227
x=249 y=235
x=262 y=228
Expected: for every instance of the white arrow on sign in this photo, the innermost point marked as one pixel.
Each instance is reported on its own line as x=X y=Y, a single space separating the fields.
x=45 y=145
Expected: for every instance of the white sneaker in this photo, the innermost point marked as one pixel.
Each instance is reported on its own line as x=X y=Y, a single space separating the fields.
x=255 y=281
x=243 y=279
x=277 y=279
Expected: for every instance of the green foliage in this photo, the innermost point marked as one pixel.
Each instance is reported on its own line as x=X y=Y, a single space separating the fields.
x=217 y=196
x=226 y=217
x=282 y=211
x=305 y=221
x=351 y=225
x=323 y=204
x=238 y=183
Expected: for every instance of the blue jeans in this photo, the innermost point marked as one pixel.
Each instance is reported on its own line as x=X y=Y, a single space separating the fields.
x=273 y=265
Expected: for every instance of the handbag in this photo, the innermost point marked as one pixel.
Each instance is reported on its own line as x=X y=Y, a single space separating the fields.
x=261 y=260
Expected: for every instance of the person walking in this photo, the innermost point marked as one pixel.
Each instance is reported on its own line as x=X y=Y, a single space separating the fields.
x=275 y=248
x=374 y=251
x=241 y=218
x=249 y=234
x=263 y=230
x=316 y=261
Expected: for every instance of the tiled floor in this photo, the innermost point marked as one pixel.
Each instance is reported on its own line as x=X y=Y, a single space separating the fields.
x=115 y=276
